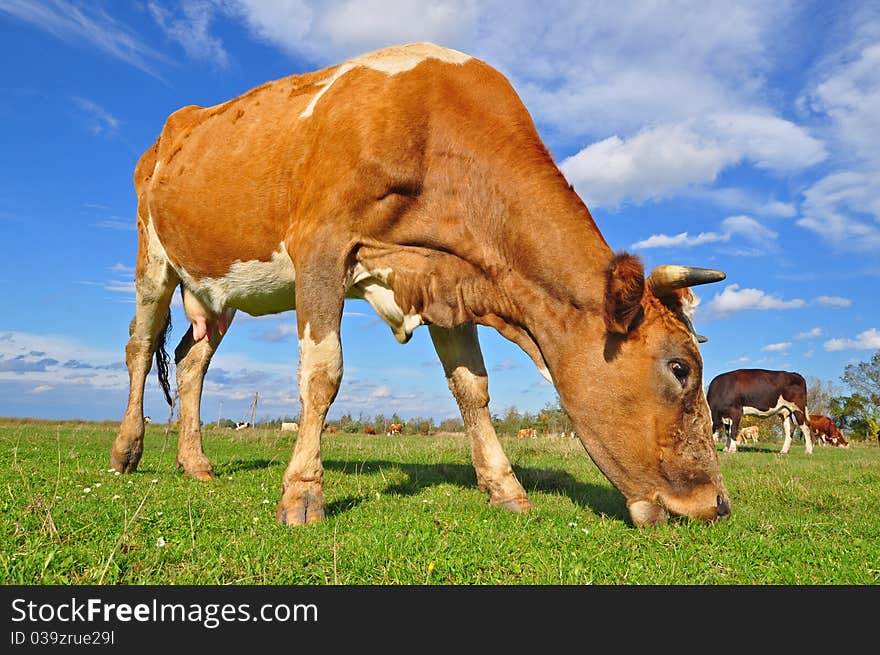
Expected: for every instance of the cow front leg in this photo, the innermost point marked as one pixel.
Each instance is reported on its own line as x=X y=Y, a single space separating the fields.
x=192 y=359
x=459 y=352
x=787 y=429
x=154 y=286
x=732 y=431
x=320 y=373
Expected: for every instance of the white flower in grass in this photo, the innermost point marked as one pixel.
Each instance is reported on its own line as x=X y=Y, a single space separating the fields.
x=112 y=471
x=97 y=484
x=572 y=524
x=585 y=531
x=265 y=501
x=154 y=481
x=116 y=473
x=158 y=513
x=130 y=481
x=160 y=542
x=116 y=496
x=87 y=490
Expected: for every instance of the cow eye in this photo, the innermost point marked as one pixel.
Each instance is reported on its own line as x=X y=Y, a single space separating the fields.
x=680 y=370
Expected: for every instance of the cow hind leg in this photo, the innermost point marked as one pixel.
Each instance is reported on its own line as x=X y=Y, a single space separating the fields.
x=459 y=352
x=154 y=285
x=804 y=424
x=192 y=359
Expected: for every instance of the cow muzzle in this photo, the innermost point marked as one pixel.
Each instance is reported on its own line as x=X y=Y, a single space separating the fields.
x=647 y=513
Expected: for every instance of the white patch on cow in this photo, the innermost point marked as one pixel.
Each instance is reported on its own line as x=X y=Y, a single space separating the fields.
x=781 y=404
x=254 y=286
x=373 y=287
x=326 y=355
x=390 y=61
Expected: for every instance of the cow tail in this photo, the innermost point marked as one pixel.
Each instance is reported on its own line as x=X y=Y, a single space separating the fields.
x=162 y=360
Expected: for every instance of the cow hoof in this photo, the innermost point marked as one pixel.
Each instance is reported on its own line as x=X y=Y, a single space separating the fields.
x=515 y=505
x=125 y=463
x=305 y=509
x=198 y=471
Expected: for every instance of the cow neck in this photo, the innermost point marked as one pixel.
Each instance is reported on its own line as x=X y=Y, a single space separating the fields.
x=557 y=267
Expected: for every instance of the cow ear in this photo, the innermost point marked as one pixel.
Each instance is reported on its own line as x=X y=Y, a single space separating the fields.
x=624 y=288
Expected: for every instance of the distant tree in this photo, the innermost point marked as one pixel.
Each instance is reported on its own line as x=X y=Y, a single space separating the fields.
x=864 y=378
x=820 y=394
x=419 y=425
x=856 y=416
x=451 y=425
x=553 y=419
x=509 y=423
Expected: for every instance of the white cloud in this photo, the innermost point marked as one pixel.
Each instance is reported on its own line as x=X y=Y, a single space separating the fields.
x=810 y=334
x=98 y=120
x=743 y=226
x=42 y=388
x=843 y=208
x=329 y=31
x=733 y=299
x=660 y=161
x=833 y=301
x=775 y=208
x=192 y=30
x=776 y=347
x=867 y=340
x=85 y=22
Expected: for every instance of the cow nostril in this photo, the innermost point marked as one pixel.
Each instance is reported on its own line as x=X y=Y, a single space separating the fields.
x=723 y=506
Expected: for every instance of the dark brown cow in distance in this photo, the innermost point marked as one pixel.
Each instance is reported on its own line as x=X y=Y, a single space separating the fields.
x=762 y=393
x=825 y=430
x=414 y=178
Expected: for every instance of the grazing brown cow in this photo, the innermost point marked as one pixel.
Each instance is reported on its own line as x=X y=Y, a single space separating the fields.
x=526 y=433
x=825 y=430
x=369 y=430
x=394 y=428
x=414 y=178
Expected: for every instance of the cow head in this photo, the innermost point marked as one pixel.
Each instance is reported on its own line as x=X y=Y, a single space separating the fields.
x=649 y=428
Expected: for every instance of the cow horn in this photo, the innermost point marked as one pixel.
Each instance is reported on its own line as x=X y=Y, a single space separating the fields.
x=663 y=280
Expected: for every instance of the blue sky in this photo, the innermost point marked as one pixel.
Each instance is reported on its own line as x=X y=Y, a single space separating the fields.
x=743 y=136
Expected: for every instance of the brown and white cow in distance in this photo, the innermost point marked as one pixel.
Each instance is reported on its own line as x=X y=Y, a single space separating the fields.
x=413 y=178
x=762 y=393
x=748 y=434
x=826 y=432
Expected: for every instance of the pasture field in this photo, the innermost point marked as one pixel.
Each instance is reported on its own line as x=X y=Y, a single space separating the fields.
x=406 y=511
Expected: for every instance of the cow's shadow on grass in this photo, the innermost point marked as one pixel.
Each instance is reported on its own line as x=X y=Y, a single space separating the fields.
x=602 y=500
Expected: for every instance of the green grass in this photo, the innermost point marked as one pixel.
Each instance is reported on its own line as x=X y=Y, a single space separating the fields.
x=406 y=510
